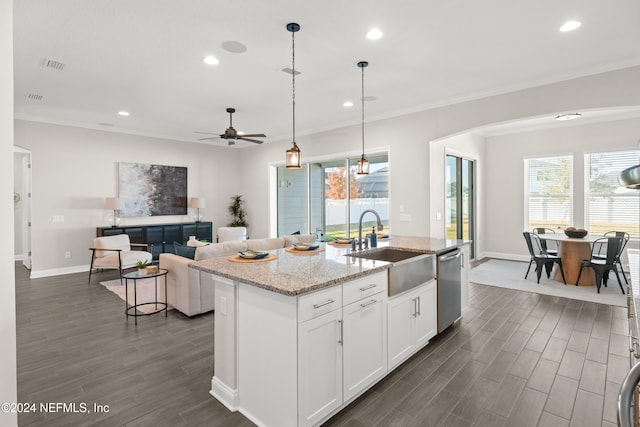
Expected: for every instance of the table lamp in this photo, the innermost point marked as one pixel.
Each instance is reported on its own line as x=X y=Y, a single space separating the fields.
x=198 y=203
x=114 y=204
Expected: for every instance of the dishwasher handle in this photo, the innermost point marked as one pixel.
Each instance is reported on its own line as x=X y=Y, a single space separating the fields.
x=450 y=255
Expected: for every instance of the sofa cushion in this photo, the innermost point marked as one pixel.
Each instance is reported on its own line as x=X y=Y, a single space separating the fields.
x=185 y=251
x=265 y=244
x=215 y=250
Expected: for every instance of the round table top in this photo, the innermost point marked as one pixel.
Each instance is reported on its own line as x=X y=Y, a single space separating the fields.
x=137 y=275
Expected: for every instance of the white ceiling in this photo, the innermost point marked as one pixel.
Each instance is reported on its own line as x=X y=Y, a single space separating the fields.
x=145 y=57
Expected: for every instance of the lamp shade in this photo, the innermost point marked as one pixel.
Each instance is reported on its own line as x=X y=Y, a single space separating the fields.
x=113 y=203
x=198 y=202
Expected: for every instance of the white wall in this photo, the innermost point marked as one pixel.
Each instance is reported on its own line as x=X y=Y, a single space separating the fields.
x=8 y=384
x=504 y=175
x=407 y=138
x=74 y=169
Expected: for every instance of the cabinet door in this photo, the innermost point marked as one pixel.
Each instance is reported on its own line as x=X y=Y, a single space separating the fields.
x=319 y=367
x=365 y=344
x=426 y=318
x=400 y=324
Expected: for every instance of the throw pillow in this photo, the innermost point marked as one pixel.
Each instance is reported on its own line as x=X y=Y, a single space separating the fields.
x=184 y=251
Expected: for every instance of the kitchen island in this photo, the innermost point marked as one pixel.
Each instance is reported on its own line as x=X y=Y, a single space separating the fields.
x=300 y=337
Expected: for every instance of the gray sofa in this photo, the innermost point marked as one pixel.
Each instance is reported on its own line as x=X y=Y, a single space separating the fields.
x=191 y=291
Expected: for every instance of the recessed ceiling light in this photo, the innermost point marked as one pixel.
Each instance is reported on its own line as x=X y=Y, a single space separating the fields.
x=211 y=60
x=234 y=46
x=374 y=34
x=347 y=104
x=570 y=116
x=123 y=113
x=570 y=26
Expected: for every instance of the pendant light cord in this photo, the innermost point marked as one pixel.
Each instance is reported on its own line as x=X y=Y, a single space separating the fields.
x=362 y=99
x=293 y=79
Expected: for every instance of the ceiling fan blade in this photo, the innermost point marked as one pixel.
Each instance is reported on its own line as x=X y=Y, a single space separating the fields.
x=250 y=135
x=208 y=139
x=250 y=140
x=206 y=133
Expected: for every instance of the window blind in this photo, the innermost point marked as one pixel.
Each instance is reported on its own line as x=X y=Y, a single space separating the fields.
x=611 y=207
x=548 y=198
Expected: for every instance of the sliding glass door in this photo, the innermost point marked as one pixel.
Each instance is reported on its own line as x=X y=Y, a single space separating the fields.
x=459 y=199
x=328 y=198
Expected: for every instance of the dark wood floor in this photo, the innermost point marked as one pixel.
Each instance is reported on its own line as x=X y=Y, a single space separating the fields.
x=516 y=359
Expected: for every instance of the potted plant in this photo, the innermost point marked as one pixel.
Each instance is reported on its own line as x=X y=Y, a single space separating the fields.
x=142 y=267
x=236 y=209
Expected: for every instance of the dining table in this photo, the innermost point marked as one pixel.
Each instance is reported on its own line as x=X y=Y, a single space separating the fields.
x=572 y=251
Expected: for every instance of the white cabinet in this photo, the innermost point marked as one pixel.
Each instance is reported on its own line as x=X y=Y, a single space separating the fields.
x=319 y=367
x=412 y=322
x=341 y=349
x=365 y=343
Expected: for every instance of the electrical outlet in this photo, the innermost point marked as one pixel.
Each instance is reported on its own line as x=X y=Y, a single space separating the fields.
x=223 y=306
x=67 y=255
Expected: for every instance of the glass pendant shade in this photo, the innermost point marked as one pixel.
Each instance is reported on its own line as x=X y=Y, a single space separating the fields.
x=293 y=157
x=363 y=166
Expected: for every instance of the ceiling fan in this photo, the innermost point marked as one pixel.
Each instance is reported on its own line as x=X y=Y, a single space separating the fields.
x=231 y=135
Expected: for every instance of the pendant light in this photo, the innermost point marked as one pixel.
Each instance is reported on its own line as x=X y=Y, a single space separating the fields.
x=363 y=163
x=293 y=154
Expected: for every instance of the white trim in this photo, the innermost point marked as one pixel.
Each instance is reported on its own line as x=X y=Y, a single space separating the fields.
x=36 y=274
x=500 y=255
x=224 y=394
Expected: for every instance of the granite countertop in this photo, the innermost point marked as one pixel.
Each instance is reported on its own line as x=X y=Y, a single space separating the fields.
x=294 y=274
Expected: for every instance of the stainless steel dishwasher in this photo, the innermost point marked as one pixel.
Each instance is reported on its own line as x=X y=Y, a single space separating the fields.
x=449 y=289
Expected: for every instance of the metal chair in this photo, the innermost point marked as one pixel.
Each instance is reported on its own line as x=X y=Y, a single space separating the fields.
x=604 y=252
x=540 y=256
x=625 y=237
x=550 y=247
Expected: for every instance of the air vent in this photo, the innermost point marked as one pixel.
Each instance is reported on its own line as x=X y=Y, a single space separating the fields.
x=53 y=64
x=33 y=97
x=290 y=71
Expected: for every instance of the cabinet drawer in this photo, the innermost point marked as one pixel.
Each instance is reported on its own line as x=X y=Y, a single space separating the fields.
x=363 y=287
x=320 y=302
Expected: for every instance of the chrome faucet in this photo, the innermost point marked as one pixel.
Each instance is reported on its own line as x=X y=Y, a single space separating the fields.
x=380 y=226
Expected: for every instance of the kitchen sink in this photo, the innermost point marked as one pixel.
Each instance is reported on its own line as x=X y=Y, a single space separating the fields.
x=386 y=254
x=408 y=270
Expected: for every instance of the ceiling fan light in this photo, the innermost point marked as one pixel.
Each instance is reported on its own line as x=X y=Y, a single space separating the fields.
x=363 y=166
x=293 y=157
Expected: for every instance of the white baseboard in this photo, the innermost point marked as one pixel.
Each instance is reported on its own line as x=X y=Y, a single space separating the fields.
x=36 y=274
x=225 y=395
x=18 y=257
x=510 y=257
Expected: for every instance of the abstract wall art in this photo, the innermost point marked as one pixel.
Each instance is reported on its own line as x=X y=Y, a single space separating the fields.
x=152 y=190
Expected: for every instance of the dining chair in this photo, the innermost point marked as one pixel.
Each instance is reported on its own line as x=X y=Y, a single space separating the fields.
x=540 y=256
x=551 y=247
x=625 y=239
x=604 y=252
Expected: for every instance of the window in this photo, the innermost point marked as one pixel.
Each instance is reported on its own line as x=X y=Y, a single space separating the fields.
x=327 y=198
x=610 y=207
x=548 y=192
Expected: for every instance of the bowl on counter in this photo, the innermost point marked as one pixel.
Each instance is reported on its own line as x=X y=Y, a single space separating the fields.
x=576 y=234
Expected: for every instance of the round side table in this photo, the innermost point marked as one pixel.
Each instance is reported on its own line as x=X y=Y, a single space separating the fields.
x=131 y=310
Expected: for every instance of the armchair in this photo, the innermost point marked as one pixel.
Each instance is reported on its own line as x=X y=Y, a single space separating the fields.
x=232 y=234
x=116 y=253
